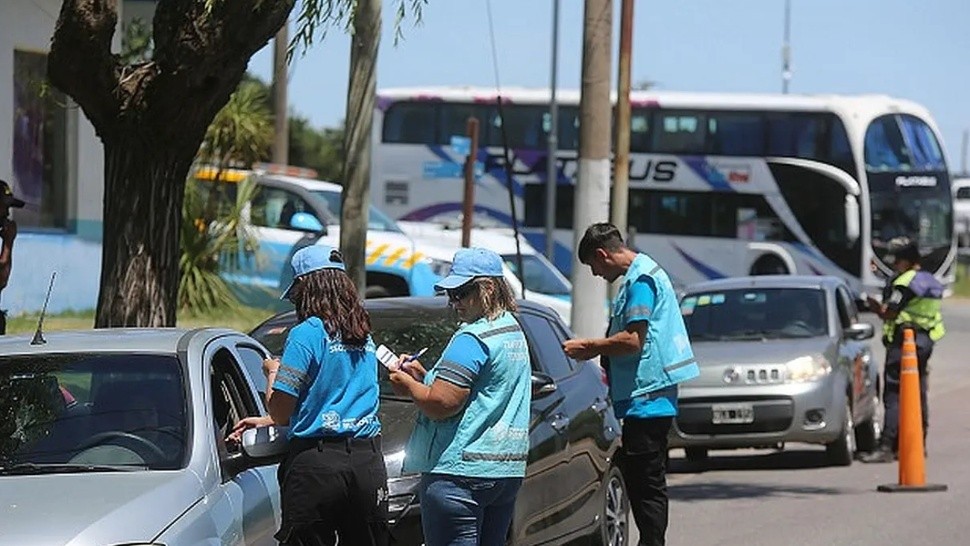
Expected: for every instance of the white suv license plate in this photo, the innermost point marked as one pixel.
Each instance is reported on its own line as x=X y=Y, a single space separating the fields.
x=732 y=414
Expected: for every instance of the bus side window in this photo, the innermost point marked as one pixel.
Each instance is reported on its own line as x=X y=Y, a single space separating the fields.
x=680 y=133
x=410 y=123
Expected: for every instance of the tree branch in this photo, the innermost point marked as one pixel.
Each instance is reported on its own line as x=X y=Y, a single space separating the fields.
x=81 y=63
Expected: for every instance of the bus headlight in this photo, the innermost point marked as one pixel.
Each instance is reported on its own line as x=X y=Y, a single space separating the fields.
x=808 y=368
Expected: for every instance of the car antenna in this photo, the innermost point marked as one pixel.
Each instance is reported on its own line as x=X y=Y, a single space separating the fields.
x=39 y=334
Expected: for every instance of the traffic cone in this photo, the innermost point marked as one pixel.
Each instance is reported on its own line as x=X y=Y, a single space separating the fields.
x=912 y=459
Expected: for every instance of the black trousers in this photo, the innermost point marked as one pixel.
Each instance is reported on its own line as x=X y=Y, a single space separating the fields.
x=890 y=398
x=643 y=462
x=3 y=322
x=334 y=488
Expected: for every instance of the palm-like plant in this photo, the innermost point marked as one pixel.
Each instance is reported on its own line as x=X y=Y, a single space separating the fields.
x=215 y=233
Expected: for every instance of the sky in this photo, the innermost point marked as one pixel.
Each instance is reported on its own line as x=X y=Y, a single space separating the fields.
x=913 y=49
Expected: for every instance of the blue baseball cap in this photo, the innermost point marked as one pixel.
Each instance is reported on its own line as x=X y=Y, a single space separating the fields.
x=469 y=263
x=313 y=258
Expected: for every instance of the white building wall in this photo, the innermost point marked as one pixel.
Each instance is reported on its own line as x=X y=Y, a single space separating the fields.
x=75 y=252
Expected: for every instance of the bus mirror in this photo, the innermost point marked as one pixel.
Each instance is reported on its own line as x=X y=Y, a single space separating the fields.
x=852 y=230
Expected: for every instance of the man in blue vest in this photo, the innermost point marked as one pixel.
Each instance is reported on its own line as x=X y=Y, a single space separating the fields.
x=646 y=354
x=912 y=299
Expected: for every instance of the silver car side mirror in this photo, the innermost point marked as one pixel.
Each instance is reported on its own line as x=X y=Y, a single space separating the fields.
x=265 y=444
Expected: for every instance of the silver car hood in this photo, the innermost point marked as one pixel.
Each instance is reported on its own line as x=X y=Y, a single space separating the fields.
x=714 y=357
x=94 y=508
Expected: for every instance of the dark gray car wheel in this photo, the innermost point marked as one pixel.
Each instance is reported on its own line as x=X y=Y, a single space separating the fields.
x=841 y=451
x=615 y=518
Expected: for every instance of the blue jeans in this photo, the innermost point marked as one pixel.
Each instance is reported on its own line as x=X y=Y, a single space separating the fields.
x=458 y=511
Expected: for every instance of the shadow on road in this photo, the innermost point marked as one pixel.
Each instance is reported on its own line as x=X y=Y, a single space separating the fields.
x=728 y=490
x=751 y=460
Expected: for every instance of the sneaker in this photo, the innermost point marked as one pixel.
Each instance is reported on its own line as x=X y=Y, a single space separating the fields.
x=879 y=456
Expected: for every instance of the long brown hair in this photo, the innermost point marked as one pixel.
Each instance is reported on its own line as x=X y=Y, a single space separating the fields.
x=496 y=296
x=330 y=295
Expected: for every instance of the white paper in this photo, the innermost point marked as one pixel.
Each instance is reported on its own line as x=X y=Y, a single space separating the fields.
x=386 y=357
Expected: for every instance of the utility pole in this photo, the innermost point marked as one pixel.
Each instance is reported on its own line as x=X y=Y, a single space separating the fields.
x=786 y=51
x=552 y=166
x=592 y=194
x=361 y=94
x=621 y=163
x=281 y=137
x=468 y=201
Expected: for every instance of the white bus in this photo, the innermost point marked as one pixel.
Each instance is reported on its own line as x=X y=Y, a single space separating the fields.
x=720 y=184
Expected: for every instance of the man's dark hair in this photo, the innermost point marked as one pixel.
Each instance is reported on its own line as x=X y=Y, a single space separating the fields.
x=602 y=235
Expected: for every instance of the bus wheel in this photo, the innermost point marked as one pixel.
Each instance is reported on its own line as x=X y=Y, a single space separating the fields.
x=769 y=264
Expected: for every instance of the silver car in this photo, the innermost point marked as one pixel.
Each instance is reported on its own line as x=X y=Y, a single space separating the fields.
x=783 y=359
x=113 y=437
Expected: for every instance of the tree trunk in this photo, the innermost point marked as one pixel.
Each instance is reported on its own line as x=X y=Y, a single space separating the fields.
x=357 y=138
x=151 y=117
x=140 y=249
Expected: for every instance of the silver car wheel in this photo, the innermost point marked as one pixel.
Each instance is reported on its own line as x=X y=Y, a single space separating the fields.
x=616 y=511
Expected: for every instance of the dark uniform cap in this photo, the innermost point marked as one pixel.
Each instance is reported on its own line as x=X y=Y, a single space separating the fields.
x=7 y=197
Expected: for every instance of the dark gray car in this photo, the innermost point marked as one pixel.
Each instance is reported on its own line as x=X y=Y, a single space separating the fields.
x=572 y=489
x=783 y=359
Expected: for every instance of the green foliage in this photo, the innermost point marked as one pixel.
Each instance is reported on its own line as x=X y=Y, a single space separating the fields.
x=321 y=150
x=214 y=232
x=213 y=238
x=136 y=42
x=317 y=149
x=241 y=132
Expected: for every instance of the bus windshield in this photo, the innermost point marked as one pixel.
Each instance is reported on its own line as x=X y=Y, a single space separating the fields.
x=909 y=186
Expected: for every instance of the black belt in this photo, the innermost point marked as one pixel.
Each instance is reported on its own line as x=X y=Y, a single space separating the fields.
x=349 y=442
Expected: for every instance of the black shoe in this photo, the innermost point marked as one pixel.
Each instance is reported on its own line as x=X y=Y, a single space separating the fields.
x=879 y=456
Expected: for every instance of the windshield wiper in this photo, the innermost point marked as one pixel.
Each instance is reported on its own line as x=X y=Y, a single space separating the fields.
x=65 y=468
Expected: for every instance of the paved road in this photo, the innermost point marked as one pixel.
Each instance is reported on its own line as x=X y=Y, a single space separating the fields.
x=752 y=497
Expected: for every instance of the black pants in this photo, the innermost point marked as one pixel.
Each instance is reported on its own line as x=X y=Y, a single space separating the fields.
x=335 y=487
x=890 y=398
x=3 y=322
x=643 y=462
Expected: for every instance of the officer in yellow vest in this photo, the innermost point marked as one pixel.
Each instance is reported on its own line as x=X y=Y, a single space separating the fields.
x=911 y=300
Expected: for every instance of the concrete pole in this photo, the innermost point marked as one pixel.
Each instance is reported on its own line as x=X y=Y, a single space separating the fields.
x=281 y=137
x=552 y=166
x=592 y=194
x=361 y=96
x=621 y=163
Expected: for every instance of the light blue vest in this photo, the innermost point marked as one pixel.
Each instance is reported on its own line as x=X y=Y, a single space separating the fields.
x=666 y=358
x=490 y=437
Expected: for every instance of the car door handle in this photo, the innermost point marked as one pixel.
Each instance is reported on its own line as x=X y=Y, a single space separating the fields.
x=559 y=422
x=600 y=406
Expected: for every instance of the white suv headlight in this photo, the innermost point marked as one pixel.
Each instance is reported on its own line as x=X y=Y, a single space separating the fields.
x=440 y=268
x=808 y=368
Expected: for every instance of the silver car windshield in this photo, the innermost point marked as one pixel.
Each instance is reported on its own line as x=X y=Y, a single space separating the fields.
x=755 y=314
x=91 y=412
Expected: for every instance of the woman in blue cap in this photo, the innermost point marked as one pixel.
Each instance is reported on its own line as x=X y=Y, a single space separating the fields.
x=471 y=439
x=333 y=482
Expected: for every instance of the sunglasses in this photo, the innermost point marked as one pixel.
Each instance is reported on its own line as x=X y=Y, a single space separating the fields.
x=457 y=294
